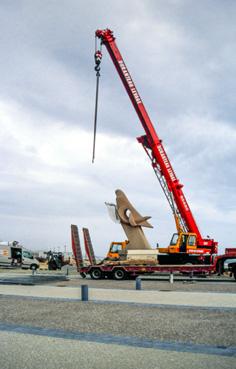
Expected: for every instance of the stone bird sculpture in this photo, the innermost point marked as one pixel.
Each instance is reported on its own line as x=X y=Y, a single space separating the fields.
x=132 y=223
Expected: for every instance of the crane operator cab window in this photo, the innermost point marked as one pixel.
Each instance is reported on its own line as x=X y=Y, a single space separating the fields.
x=174 y=239
x=192 y=240
x=116 y=248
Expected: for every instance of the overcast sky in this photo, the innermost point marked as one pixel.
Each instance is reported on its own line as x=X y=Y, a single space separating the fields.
x=181 y=55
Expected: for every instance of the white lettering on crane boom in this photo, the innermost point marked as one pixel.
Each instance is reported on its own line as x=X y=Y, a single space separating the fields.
x=184 y=202
x=166 y=162
x=130 y=82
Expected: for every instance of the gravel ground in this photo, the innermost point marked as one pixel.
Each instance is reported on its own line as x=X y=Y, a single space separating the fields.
x=213 y=327
x=205 y=286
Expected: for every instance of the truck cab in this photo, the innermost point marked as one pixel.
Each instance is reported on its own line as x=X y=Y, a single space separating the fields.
x=181 y=242
x=28 y=260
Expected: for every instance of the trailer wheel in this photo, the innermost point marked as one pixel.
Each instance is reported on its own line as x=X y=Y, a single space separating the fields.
x=119 y=274
x=96 y=273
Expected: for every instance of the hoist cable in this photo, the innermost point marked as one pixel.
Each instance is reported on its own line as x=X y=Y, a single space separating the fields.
x=98 y=58
x=95 y=115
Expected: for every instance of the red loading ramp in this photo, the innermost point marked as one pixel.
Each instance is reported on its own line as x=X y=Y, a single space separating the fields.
x=76 y=247
x=88 y=246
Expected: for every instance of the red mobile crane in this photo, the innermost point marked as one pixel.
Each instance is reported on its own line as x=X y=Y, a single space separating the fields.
x=188 y=239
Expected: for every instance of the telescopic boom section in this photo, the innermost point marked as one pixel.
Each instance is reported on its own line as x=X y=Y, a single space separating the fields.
x=152 y=143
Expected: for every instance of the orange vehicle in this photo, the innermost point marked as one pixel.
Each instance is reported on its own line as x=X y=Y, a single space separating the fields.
x=116 y=249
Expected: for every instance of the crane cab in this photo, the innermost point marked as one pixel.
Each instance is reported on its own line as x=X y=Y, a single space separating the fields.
x=116 y=249
x=182 y=242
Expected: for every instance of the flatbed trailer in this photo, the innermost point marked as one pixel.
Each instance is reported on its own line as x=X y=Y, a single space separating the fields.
x=119 y=272
x=123 y=270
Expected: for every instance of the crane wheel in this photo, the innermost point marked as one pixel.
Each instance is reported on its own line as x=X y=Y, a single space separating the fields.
x=119 y=274
x=96 y=274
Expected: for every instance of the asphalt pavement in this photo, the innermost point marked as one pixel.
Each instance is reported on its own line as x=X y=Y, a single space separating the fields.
x=193 y=325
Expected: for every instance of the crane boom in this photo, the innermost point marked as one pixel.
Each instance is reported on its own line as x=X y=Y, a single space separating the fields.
x=153 y=146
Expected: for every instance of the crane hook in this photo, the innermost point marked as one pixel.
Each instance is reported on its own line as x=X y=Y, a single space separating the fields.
x=98 y=59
